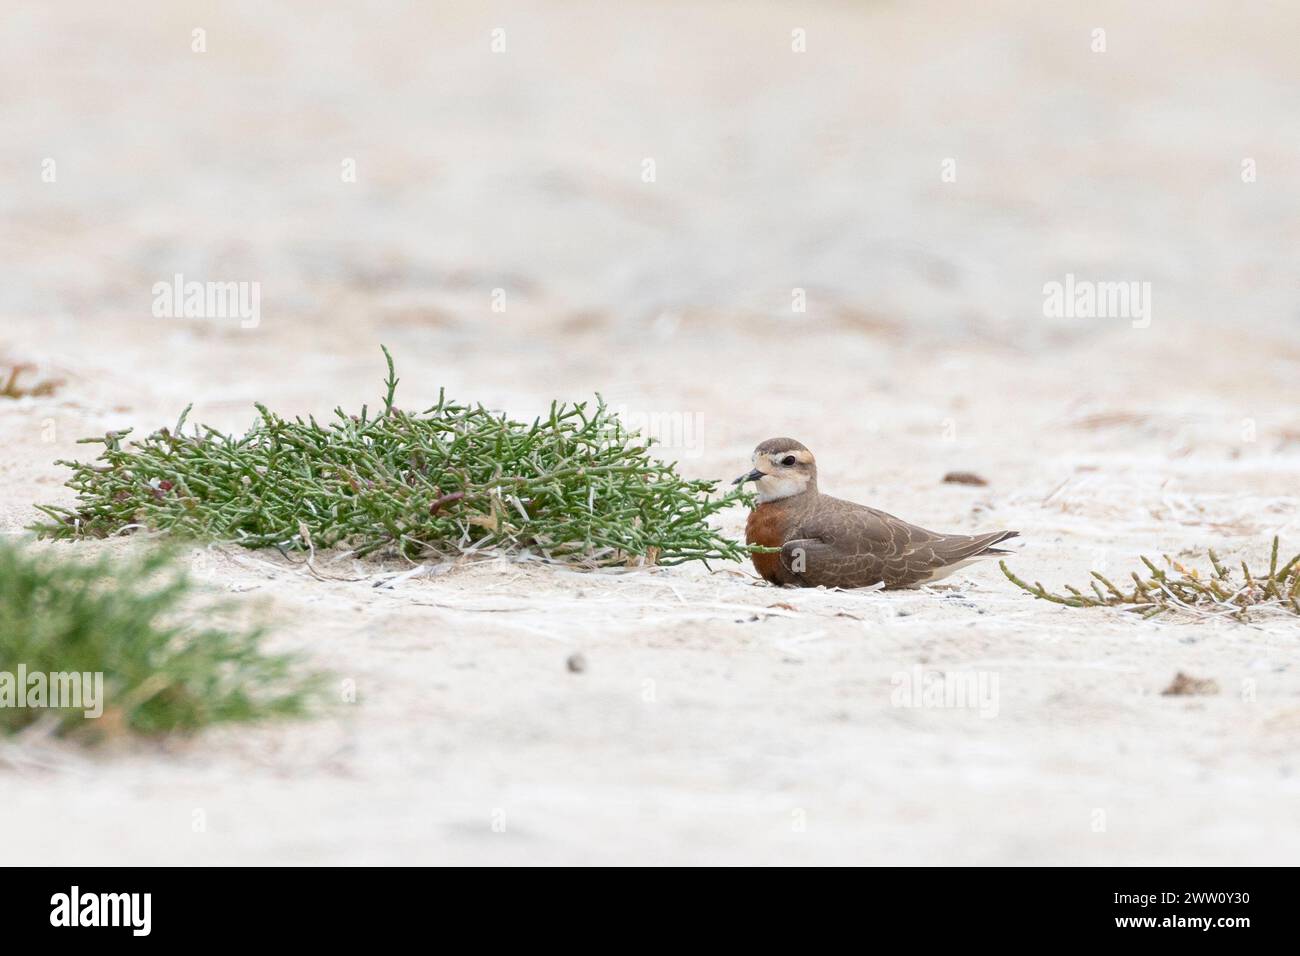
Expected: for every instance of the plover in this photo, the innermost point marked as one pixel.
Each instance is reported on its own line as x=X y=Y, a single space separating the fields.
x=839 y=544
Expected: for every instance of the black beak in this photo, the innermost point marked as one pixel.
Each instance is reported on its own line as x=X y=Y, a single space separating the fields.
x=752 y=476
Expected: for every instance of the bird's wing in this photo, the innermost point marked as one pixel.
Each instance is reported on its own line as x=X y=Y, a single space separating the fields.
x=812 y=562
x=848 y=545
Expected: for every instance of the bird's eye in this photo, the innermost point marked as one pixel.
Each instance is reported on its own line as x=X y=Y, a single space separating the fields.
x=788 y=460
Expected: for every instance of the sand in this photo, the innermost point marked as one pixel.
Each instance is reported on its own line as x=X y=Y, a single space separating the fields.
x=717 y=720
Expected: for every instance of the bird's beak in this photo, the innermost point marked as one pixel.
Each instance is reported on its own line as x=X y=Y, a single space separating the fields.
x=752 y=476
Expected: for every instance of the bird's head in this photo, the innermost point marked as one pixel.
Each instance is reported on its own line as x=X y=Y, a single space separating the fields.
x=782 y=467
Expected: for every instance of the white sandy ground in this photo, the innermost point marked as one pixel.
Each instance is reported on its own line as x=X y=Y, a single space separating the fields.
x=712 y=724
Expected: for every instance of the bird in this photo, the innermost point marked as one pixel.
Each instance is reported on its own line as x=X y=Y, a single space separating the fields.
x=830 y=542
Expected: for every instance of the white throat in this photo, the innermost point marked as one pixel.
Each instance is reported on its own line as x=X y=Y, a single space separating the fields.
x=772 y=488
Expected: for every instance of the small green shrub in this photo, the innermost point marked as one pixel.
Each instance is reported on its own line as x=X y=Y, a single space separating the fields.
x=125 y=620
x=574 y=486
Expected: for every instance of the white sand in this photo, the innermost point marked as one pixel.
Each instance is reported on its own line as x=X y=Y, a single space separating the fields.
x=710 y=725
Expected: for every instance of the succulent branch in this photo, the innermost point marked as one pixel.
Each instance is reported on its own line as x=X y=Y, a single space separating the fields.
x=1177 y=588
x=9 y=387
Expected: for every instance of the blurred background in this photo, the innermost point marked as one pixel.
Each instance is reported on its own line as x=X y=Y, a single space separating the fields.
x=918 y=167
x=728 y=219
x=834 y=220
x=654 y=197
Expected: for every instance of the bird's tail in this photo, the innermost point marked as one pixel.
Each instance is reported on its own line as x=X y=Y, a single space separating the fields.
x=996 y=538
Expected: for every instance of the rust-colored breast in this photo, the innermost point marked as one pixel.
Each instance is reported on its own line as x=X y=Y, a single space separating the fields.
x=767 y=526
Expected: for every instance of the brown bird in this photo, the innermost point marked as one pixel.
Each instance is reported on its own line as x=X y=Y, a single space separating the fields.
x=839 y=544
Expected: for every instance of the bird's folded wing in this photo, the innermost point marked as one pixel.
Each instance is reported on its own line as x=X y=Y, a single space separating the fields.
x=846 y=548
x=860 y=530
x=814 y=562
